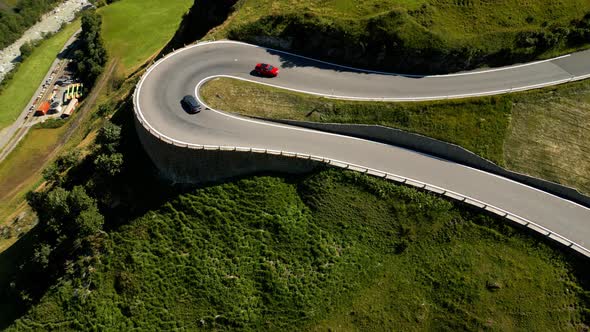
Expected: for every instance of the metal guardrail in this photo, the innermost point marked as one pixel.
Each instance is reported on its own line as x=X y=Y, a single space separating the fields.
x=367 y=170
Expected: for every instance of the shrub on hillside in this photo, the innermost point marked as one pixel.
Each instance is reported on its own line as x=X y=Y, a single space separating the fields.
x=26 y=49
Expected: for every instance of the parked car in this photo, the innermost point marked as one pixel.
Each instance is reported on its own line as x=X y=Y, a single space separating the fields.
x=264 y=69
x=190 y=104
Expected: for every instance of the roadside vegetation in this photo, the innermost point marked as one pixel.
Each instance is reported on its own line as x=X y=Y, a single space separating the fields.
x=476 y=124
x=415 y=36
x=330 y=250
x=542 y=133
x=549 y=133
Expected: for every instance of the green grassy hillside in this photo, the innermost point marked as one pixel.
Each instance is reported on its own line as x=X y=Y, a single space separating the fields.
x=135 y=30
x=333 y=250
x=421 y=36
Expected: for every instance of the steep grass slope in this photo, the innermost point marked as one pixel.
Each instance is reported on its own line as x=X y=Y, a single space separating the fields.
x=332 y=250
x=419 y=36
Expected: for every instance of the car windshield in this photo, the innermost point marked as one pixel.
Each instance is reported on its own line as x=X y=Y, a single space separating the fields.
x=191 y=101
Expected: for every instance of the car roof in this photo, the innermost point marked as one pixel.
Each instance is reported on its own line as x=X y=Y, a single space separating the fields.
x=191 y=100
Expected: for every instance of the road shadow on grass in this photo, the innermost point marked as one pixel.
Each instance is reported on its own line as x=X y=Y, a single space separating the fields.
x=291 y=61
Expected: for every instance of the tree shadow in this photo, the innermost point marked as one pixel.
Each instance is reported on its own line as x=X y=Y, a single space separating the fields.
x=21 y=285
x=68 y=52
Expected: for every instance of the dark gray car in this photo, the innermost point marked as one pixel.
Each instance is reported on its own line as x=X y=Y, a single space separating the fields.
x=190 y=104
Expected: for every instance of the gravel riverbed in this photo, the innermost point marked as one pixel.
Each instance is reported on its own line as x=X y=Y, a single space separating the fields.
x=50 y=22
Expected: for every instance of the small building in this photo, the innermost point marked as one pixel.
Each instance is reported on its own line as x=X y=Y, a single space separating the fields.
x=42 y=109
x=70 y=108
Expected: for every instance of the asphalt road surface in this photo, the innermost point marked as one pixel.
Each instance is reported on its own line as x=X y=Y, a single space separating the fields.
x=163 y=86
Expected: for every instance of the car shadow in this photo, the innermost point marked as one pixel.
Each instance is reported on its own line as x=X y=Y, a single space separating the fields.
x=254 y=73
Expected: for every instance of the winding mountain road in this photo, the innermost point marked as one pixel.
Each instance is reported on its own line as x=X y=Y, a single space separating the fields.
x=158 y=95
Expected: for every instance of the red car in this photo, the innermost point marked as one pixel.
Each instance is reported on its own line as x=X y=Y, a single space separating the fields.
x=264 y=69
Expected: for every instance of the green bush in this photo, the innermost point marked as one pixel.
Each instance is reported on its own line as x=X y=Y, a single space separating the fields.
x=108 y=138
x=52 y=123
x=26 y=49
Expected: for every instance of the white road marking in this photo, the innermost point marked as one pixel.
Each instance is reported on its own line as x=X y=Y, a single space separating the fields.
x=295 y=128
x=187 y=144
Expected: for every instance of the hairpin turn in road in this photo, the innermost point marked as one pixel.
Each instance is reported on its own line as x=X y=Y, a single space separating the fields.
x=158 y=95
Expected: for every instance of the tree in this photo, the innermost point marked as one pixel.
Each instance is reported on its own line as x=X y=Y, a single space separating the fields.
x=51 y=173
x=108 y=137
x=41 y=255
x=109 y=164
x=67 y=160
x=89 y=222
x=26 y=49
x=79 y=201
x=56 y=204
x=104 y=109
x=54 y=211
x=91 y=55
x=66 y=215
x=83 y=218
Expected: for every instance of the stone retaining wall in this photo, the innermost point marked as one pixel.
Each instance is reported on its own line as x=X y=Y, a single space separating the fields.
x=440 y=149
x=181 y=164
